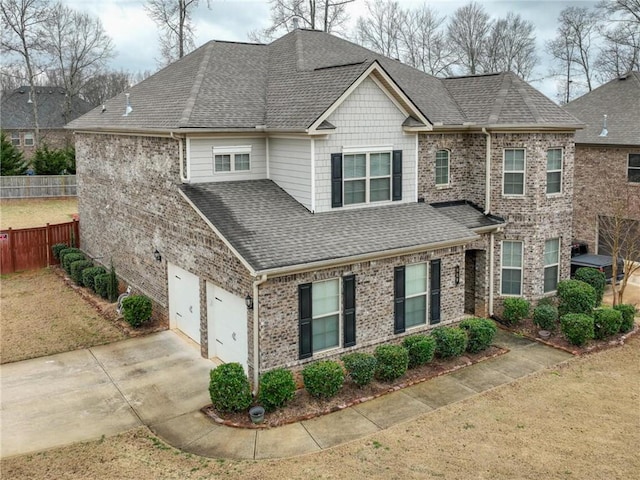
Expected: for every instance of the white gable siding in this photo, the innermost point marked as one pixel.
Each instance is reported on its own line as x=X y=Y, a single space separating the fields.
x=290 y=167
x=366 y=118
x=200 y=151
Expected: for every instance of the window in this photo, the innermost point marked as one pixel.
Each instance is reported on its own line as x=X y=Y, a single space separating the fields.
x=28 y=139
x=416 y=295
x=326 y=315
x=633 y=173
x=15 y=139
x=442 y=167
x=511 y=268
x=513 y=179
x=415 y=304
x=367 y=177
x=551 y=262
x=554 y=170
x=231 y=159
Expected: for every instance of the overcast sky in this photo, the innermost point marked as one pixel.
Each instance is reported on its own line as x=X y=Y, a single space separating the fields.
x=136 y=38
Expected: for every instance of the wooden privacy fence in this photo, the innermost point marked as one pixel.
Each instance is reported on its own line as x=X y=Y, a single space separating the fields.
x=30 y=248
x=38 y=186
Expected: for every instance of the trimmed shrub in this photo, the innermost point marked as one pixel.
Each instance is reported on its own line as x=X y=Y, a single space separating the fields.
x=480 y=332
x=421 y=349
x=69 y=258
x=450 y=341
x=77 y=268
x=552 y=300
x=136 y=310
x=57 y=248
x=577 y=328
x=323 y=379
x=361 y=367
x=595 y=278
x=101 y=281
x=66 y=251
x=112 y=285
x=229 y=388
x=575 y=297
x=89 y=275
x=628 y=313
x=515 y=309
x=393 y=361
x=546 y=317
x=607 y=322
x=277 y=388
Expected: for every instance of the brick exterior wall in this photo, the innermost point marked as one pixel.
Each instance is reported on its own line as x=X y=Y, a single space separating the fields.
x=601 y=171
x=53 y=138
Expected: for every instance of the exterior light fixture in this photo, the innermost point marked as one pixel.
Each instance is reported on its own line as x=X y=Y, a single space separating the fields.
x=157 y=256
x=457 y=274
x=249 y=302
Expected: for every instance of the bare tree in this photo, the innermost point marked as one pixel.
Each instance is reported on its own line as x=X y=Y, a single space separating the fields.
x=79 y=47
x=467 y=31
x=22 y=32
x=381 y=29
x=510 y=46
x=620 y=30
x=624 y=10
x=104 y=86
x=173 y=17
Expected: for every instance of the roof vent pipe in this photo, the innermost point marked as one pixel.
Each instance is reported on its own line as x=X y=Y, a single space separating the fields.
x=604 y=131
x=128 y=108
x=30 y=99
x=296 y=24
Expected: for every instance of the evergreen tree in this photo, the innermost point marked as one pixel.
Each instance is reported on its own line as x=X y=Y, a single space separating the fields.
x=49 y=162
x=11 y=160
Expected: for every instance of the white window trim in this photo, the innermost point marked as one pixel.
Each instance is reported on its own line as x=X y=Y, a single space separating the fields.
x=31 y=137
x=524 y=172
x=365 y=149
x=232 y=152
x=367 y=178
x=425 y=293
x=339 y=312
x=443 y=185
x=554 y=171
x=557 y=264
x=16 y=136
x=629 y=167
x=521 y=268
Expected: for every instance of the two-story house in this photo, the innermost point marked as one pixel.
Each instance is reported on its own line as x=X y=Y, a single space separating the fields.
x=294 y=201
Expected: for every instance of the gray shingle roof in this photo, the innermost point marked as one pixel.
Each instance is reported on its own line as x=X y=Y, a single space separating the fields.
x=270 y=229
x=468 y=214
x=16 y=113
x=289 y=83
x=619 y=99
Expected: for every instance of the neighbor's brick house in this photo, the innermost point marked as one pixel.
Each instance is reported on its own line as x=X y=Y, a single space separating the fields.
x=310 y=197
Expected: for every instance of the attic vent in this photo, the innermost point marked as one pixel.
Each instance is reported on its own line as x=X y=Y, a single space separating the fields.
x=604 y=131
x=127 y=108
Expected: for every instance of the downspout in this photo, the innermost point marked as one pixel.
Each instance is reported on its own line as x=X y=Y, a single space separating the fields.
x=256 y=333
x=491 y=258
x=487 y=174
x=183 y=179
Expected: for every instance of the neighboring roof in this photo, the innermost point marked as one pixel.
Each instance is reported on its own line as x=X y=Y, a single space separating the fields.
x=269 y=229
x=468 y=214
x=619 y=100
x=289 y=83
x=16 y=112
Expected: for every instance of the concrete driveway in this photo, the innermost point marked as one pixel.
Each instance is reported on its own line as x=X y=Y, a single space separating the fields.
x=81 y=395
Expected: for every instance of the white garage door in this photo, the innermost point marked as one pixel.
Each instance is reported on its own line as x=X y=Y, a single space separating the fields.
x=184 y=302
x=227 y=324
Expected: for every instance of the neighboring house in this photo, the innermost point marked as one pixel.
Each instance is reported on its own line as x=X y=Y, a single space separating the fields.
x=17 y=119
x=607 y=157
x=302 y=199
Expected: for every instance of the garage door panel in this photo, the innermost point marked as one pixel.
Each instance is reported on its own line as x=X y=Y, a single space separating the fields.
x=184 y=301
x=227 y=325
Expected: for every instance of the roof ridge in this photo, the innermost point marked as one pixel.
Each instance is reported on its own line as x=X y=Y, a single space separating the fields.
x=197 y=85
x=452 y=97
x=521 y=89
x=500 y=99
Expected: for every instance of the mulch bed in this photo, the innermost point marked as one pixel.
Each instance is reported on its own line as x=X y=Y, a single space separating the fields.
x=304 y=406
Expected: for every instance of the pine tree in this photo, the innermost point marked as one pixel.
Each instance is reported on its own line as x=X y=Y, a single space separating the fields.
x=11 y=161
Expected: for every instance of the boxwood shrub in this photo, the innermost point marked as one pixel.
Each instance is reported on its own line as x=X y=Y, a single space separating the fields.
x=57 y=248
x=628 y=313
x=576 y=297
x=514 y=310
x=277 y=388
x=229 y=388
x=323 y=379
x=607 y=322
x=480 y=332
x=77 y=268
x=89 y=275
x=545 y=316
x=65 y=251
x=421 y=349
x=361 y=367
x=393 y=361
x=69 y=258
x=101 y=282
x=136 y=310
x=450 y=341
x=578 y=328
x=595 y=278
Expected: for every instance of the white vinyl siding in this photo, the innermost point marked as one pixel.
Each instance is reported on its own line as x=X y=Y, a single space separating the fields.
x=551 y=264
x=554 y=170
x=511 y=275
x=203 y=168
x=513 y=173
x=290 y=167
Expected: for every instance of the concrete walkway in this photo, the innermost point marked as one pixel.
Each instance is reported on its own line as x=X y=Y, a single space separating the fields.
x=162 y=382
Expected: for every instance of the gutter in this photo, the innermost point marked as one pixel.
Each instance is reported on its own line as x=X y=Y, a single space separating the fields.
x=487 y=174
x=256 y=332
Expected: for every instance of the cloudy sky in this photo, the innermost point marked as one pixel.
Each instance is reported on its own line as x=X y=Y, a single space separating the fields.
x=136 y=44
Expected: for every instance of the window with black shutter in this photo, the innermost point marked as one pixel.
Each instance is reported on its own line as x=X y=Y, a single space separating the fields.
x=398 y=288
x=434 y=281
x=349 y=310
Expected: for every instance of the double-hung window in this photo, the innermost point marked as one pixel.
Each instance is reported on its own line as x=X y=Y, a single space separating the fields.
x=28 y=139
x=326 y=314
x=367 y=177
x=633 y=172
x=551 y=263
x=416 y=295
x=554 y=170
x=15 y=139
x=513 y=176
x=231 y=159
x=442 y=168
x=511 y=268
x=415 y=303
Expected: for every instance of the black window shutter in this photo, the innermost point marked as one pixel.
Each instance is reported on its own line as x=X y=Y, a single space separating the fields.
x=304 y=317
x=398 y=289
x=349 y=306
x=435 y=292
x=336 y=180
x=397 y=175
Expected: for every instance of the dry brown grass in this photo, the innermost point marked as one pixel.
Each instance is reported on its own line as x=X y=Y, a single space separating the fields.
x=40 y=315
x=578 y=421
x=36 y=212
